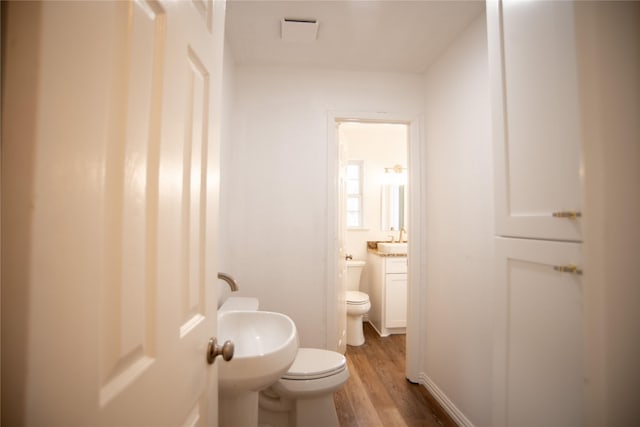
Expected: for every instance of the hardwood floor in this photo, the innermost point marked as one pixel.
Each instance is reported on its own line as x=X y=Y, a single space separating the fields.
x=377 y=392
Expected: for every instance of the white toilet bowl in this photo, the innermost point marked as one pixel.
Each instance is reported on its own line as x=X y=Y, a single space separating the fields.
x=304 y=395
x=358 y=303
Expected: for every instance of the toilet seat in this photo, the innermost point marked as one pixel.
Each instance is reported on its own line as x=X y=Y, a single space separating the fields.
x=314 y=363
x=357 y=298
x=314 y=373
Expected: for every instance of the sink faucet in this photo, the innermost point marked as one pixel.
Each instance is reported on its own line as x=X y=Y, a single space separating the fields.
x=230 y=280
x=402 y=231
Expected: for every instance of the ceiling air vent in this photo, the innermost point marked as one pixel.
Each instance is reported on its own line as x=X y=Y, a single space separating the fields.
x=299 y=30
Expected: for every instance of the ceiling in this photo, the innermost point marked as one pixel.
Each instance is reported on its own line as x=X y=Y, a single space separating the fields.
x=365 y=35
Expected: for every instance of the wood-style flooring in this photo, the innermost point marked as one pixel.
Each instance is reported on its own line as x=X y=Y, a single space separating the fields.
x=377 y=392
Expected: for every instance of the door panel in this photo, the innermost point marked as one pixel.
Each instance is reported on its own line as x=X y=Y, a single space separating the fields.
x=128 y=308
x=114 y=212
x=538 y=352
x=395 y=300
x=536 y=121
x=193 y=191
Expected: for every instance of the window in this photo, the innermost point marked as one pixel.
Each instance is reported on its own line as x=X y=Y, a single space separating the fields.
x=354 y=194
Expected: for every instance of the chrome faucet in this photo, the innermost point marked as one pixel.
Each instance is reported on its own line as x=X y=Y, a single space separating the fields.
x=230 y=280
x=402 y=231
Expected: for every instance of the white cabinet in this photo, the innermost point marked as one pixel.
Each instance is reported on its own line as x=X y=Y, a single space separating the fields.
x=536 y=119
x=538 y=372
x=395 y=301
x=388 y=294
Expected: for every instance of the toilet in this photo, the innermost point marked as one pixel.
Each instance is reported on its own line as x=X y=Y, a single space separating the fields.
x=304 y=395
x=358 y=303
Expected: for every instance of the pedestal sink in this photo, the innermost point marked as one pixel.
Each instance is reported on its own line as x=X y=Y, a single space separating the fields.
x=266 y=344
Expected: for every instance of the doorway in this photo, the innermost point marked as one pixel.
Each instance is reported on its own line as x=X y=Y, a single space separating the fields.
x=371 y=211
x=376 y=199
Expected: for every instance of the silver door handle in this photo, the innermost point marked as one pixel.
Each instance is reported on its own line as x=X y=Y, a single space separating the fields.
x=214 y=350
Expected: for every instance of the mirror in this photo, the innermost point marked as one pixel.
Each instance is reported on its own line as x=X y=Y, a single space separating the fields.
x=393 y=204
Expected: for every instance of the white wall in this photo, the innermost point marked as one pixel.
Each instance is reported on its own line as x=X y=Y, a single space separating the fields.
x=609 y=60
x=274 y=175
x=228 y=100
x=459 y=230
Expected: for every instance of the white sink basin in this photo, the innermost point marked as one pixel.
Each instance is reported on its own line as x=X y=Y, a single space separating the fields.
x=266 y=343
x=392 y=248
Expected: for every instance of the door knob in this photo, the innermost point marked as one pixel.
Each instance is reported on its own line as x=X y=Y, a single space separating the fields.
x=213 y=350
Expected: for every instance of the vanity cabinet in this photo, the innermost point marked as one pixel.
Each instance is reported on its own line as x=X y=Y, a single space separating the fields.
x=388 y=294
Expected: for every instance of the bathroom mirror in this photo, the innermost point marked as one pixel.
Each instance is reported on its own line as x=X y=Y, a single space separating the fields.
x=392 y=201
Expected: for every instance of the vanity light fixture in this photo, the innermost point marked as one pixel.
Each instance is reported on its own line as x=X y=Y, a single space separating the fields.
x=395 y=168
x=395 y=175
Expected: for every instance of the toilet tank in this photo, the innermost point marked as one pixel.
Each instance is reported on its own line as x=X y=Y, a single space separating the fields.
x=354 y=270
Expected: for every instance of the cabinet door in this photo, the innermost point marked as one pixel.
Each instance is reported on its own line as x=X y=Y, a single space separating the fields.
x=396 y=265
x=396 y=300
x=538 y=351
x=536 y=124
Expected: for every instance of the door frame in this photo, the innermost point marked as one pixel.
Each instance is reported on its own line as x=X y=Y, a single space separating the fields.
x=416 y=287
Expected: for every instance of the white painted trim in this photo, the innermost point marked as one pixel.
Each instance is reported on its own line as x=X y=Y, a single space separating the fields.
x=416 y=286
x=444 y=401
x=331 y=277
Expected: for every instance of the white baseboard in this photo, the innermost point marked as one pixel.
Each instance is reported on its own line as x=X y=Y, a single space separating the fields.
x=444 y=401
x=376 y=329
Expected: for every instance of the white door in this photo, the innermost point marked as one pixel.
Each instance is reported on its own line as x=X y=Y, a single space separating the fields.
x=110 y=199
x=538 y=352
x=343 y=160
x=536 y=119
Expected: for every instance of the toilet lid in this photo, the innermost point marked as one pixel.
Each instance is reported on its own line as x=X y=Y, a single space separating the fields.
x=356 y=297
x=312 y=363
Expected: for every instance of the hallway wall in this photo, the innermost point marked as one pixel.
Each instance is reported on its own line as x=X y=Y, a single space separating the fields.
x=459 y=217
